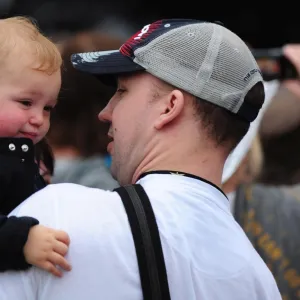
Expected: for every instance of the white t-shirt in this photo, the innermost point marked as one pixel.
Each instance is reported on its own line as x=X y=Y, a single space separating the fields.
x=207 y=254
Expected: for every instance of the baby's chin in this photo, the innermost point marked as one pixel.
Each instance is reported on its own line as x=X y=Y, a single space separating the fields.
x=35 y=138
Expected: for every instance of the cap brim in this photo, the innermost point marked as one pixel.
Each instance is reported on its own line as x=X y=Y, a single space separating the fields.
x=104 y=63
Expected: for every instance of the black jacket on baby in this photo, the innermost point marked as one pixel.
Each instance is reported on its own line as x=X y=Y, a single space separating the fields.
x=19 y=179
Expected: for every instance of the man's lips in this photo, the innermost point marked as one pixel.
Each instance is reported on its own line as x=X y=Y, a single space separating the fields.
x=109 y=147
x=110 y=143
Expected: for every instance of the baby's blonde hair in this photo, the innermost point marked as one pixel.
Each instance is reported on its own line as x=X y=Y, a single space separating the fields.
x=20 y=34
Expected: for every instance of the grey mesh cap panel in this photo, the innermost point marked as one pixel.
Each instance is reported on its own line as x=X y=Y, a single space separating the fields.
x=218 y=66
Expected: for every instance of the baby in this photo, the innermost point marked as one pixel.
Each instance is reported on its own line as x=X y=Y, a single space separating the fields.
x=30 y=80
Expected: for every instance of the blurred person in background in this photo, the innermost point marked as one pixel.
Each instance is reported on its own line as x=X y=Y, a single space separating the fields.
x=280 y=131
x=269 y=214
x=77 y=138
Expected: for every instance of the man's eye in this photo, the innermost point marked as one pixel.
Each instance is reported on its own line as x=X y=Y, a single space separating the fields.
x=120 y=91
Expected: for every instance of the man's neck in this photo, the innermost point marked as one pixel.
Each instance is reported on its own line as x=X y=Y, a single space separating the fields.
x=206 y=165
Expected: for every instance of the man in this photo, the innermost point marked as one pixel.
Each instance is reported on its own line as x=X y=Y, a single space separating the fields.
x=173 y=143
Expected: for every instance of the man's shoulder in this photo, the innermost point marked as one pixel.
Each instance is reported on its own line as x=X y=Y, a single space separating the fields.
x=65 y=191
x=72 y=187
x=67 y=197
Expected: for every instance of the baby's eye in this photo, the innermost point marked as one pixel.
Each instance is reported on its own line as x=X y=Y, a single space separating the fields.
x=48 y=108
x=26 y=103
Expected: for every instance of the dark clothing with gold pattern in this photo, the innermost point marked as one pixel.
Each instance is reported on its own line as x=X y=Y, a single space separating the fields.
x=271 y=219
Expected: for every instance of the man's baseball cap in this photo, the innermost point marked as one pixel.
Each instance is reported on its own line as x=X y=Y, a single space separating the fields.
x=202 y=58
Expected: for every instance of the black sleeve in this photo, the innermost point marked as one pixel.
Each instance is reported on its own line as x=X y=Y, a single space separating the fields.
x=13 y=236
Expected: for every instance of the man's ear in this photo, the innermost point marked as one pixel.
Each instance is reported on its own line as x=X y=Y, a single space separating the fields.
x=172 y=107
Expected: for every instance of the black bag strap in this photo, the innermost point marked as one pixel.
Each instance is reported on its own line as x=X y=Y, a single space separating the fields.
x=146 y=238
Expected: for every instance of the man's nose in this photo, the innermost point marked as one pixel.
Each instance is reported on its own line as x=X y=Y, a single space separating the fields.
x=105 y=115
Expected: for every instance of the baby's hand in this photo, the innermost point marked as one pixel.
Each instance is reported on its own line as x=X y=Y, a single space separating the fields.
x=46 y=248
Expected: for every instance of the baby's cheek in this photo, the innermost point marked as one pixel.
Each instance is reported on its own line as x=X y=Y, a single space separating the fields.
x=10 y=125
